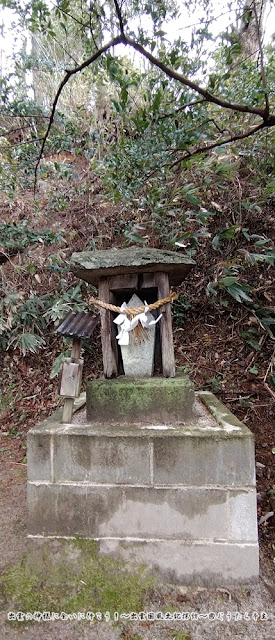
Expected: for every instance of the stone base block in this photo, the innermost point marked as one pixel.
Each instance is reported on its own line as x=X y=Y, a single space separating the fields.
x=200 y=564
x=96 y=511
x=180 y=497
x=146 y=400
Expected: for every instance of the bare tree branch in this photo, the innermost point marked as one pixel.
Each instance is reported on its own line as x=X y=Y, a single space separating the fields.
x=19 y=115
x=92 y=32
x=69 y=15
x=215 y=125
x=242 y=60
x=82 y=24
x=65 y=50
x=199 y=126
x=118 y=12
x=243 y=108
x=19 y=144
x=26 y=126
x=217 y=143
x=268 y=120
x=185 y=106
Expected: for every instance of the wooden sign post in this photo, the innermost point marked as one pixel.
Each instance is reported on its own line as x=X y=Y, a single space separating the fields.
x=76 y=325
x=71 y=380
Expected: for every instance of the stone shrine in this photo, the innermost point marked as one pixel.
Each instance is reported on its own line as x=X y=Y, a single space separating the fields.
x=138 y=357
x=151 y=469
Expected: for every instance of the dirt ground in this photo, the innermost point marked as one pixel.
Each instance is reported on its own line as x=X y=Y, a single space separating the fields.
x=245 y=613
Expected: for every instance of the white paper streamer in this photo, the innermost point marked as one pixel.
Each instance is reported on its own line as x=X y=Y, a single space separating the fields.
x=127 y=325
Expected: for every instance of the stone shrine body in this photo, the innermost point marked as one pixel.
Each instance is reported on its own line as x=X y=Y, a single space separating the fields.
x=152 y=470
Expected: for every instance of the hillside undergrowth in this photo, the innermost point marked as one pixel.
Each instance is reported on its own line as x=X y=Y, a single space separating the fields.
x=219 y=210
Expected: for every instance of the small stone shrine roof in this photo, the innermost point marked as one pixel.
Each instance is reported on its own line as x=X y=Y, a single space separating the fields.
x=93 y=265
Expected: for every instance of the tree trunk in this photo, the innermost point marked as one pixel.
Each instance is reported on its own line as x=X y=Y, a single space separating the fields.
x=251 y=28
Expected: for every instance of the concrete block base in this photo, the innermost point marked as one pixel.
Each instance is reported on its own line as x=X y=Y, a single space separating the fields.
x=180 y=498
x=149 y=400
x=179 y=562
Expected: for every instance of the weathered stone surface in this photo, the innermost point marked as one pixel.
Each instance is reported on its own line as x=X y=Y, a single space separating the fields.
x=225 y=418
x=39 y=457
x=243 y=523
x=138 y=357
x=69 y=510
x=205 y=460
x=101 y=459
x=92 y=265
x=151 y=401
x=198 y=564
x=143 y=512
x=180 y=498
x=172 y=560
x=174 y=513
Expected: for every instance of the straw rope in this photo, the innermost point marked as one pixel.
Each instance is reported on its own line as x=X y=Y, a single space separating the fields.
x=133 y=311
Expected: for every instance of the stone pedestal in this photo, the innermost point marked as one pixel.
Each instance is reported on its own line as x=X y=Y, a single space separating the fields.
x=179 y=496
x=148 y=400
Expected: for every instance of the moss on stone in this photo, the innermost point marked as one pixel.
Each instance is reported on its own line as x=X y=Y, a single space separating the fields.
x=92 y=265
x=141 y=399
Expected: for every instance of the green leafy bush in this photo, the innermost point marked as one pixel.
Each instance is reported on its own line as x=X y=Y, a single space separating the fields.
x=25 y=324
x=18 y=236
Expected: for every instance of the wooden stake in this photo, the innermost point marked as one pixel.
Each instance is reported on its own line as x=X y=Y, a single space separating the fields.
x=67 y=410
x=76 y=350
x=69 y=402
x=109 y=348
x=166 y=333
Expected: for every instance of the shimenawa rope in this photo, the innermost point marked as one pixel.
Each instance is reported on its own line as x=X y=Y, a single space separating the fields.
x=133 y=311
x=139 y=332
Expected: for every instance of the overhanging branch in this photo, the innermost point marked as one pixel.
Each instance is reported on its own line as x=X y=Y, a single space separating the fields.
x=268 y=120
x=217 y=143
x=243 y=108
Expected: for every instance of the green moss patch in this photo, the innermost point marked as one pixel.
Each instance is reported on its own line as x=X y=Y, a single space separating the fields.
x=149 y=400
x=73 y=578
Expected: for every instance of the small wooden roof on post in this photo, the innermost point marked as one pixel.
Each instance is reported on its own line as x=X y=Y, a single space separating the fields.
x=77 y=326
x=118 y=272
x=80 y=324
